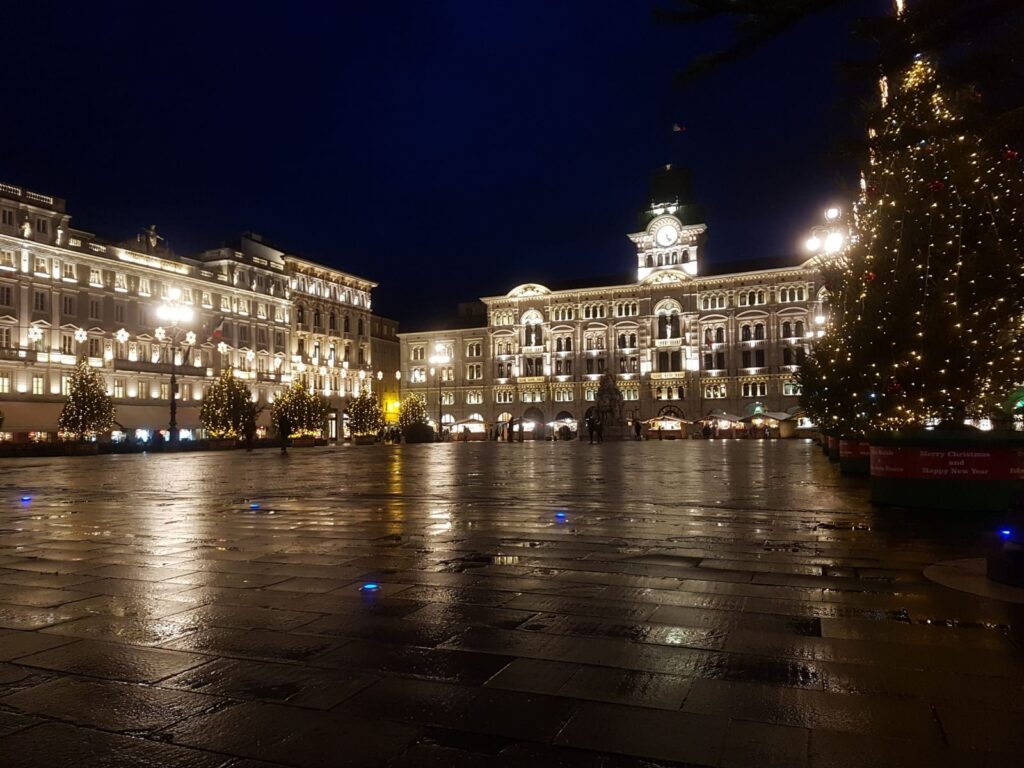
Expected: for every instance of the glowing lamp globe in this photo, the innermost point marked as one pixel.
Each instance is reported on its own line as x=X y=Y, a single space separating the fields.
x=812 y=243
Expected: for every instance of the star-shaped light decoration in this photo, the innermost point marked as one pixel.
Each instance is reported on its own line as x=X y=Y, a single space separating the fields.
x=222 y=348
x=160 y=334
x=35 y=333
x=81 y=335
x=190 y=337
x=121 y=336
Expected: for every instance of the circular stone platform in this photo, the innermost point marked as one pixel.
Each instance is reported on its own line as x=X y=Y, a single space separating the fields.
x=969 y=576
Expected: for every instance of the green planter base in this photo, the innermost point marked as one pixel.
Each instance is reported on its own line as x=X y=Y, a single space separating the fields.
x=964 y=471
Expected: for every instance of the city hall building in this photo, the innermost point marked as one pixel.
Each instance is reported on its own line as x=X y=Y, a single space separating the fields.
x=719 y=344
x=269 y=315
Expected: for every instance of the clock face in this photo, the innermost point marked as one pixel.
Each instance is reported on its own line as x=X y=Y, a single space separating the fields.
x=666 y=235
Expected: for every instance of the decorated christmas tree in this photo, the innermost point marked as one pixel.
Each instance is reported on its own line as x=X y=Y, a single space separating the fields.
x=930 y=296
x=365 y=416
x=412 y=411
x=412 y=418
x=88 y=409
x=228 y=409
x=297 y=412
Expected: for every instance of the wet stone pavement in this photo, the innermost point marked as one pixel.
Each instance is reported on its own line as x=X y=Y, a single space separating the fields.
x=623 y=605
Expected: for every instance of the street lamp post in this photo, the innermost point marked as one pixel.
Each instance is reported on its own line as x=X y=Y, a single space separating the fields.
x=175 y=313
x=439 y=358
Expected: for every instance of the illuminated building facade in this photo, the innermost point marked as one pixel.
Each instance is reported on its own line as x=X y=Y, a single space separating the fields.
x=268 y=314
x=681 y=339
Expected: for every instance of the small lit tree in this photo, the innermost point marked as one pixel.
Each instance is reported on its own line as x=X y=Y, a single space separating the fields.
x=365 y=416
x=88 y=409
x=228 y=409
x=412 y=418
x=297 y=412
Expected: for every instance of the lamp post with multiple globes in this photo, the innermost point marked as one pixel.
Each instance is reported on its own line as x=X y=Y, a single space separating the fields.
x=175 y=314
x=439 y=358
x=830 y=237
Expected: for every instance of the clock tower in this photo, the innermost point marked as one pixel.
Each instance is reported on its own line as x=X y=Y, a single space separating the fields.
x=673 y=229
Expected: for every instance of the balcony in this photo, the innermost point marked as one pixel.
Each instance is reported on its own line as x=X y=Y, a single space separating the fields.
x=530 y=380
x=536 y=349
x=675 y=341
x=144 y=366
x=13 y=353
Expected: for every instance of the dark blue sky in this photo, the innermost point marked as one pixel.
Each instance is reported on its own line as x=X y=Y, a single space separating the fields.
x=447 y=150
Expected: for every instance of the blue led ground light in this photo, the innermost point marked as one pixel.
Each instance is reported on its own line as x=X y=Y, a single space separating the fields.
x=369 y=586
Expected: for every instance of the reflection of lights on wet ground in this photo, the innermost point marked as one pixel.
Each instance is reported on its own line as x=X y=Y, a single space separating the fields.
x=254 y=505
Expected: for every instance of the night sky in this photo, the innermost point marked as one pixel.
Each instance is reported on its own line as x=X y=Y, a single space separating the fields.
x=447 y=150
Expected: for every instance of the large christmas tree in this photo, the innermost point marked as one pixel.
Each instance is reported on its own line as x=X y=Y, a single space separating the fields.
x=88 y=409
x=929 y=297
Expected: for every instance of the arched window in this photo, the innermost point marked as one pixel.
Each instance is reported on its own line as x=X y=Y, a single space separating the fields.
x=751 y=298
x=316 y=318
x=622 y=341
x=632 y=340
x=799 y=294
x=568 y=343
x=300 y=314
x=760 y=297
x=745 y=333
x=704 y=304
x=558 y=345
x=759 y=331
x=708 y=336
x=787 y=356
x=347 y=324
x=787 y=330
x=662 y=326
x=719 y=335
x=800 y=328
x=332 y=322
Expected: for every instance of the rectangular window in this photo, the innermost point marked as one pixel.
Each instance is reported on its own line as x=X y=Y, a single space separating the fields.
x=67 y=344
x=67 y=305
x=474 y=349
x=474 y=371
x=5 y=383
x=96 y=278
x=95 y=309
x=95 y=347
x=225 y=303
x=42 y=226
x=37 y=384
x=206 y=299
x=119 y=313
x=120 y=282
x=118 y=387
x=41 y=268
x=7 y=260
x=7 y=217
x=6 y=338
x=144 y=288
x=165 y=391
x=278 y=340
x=590 y=395
x=65 y=384
x=790 y=389
x=67 y=272
x=6 y=296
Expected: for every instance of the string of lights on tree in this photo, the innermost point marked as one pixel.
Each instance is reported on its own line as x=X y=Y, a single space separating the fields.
x=299 y=412
x=228 y=409
x=365 y=416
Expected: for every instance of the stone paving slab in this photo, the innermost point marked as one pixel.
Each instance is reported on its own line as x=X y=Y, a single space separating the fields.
x=701 y=604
